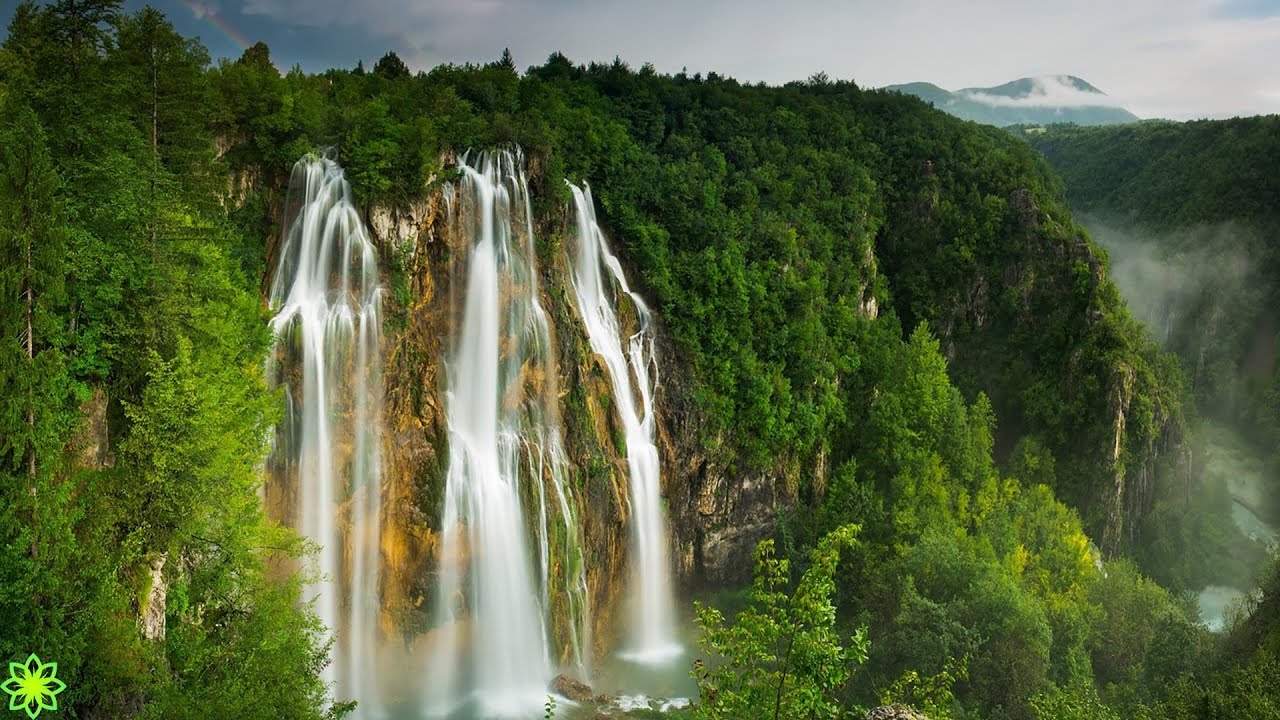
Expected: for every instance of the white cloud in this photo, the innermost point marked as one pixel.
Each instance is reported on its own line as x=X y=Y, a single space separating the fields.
x=1047 y=91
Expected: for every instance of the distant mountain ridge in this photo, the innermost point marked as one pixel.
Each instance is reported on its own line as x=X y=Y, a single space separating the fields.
x=1032 y=100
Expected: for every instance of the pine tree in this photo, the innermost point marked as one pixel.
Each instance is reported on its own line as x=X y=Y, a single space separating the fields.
x=258 y=57
x=168 y=100
x=33 y=234
x=37 y=409
x=79 y=25
x=391 y=67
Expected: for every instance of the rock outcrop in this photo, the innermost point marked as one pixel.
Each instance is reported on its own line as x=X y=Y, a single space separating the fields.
x=894 y=712
x=717 y=511
x=91 y=444
x=575 y=690
x=153 y=609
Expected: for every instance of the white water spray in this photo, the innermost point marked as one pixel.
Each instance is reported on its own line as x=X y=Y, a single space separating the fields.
x=495 y=638
x=599 y=284
x=328 y=319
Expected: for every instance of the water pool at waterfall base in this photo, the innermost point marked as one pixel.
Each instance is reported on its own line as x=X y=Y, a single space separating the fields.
x=619 y=689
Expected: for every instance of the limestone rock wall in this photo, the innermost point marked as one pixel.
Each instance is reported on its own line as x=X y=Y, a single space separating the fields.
x=717 y=514
x=419 y=327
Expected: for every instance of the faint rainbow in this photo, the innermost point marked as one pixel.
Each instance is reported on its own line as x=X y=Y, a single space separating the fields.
x=211 y=18
x=206 y=14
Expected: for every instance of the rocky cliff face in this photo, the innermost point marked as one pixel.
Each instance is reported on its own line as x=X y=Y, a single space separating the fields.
x=716 y=517
x=1037 y=317
x=717 y=512
x=894 y=712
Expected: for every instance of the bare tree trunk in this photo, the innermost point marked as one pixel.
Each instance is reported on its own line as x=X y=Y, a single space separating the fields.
x=155 y=138
x=786 y=668
x=28 y=281
x=153 y=323
x=75 y=40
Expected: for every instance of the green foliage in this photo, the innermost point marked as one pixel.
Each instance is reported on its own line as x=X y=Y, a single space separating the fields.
x=1247 y=691
x=931 y=695
x=1168 y=174
x=1144 y=639
x=33 y=235
x=164 y=79
x=1013 y=662
x=961 y=567
x=782 y=656
x=391 y=67
x=194 y=435
x=245 y=655
x=858 y=283
x=108 y=185
x=53 y=594
x=1201 y=199
x=1077 y=703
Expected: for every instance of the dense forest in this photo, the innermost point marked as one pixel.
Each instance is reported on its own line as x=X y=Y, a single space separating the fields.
x=888 y=308
x=1189 y=213
x=1208 y=187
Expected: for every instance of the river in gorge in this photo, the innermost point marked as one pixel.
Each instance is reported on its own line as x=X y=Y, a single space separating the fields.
x=1227 y=460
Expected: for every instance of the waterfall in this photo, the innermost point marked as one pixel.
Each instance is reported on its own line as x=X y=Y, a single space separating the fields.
x=511 y=602
x=599 y=284
x=327 y=299
x=507 y=470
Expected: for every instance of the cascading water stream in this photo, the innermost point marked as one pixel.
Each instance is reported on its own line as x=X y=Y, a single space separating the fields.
x=495 y=637
x=512 y=602
x=327 y=298
x=599 y=283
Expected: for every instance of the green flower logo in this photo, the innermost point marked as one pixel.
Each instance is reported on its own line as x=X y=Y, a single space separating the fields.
x=33 y=686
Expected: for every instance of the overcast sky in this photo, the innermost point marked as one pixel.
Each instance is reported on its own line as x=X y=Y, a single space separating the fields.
x=1159 y=58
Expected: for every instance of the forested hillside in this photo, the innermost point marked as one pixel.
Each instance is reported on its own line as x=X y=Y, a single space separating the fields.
x=1208 y=187
x=1168 y=175
x=1189 y=213
x=134 y=404
x=888 y=312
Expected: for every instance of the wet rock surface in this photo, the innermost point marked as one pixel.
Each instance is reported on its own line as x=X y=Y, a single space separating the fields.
x=894 y=712
x=717 y=512
x=575 y=690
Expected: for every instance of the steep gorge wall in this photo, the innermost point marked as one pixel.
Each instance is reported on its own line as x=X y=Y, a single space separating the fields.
x=718 y=512
x=415 y=453
x=1034 y=321
x=716 y=515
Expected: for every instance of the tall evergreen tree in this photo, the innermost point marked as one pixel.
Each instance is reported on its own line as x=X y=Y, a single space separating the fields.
x=80 y=25
x=33 y=234
x=43 y=572
x=391 y=67
x=167 y=95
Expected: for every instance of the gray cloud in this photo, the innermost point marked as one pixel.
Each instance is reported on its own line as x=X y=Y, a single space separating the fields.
x=1162 y=58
